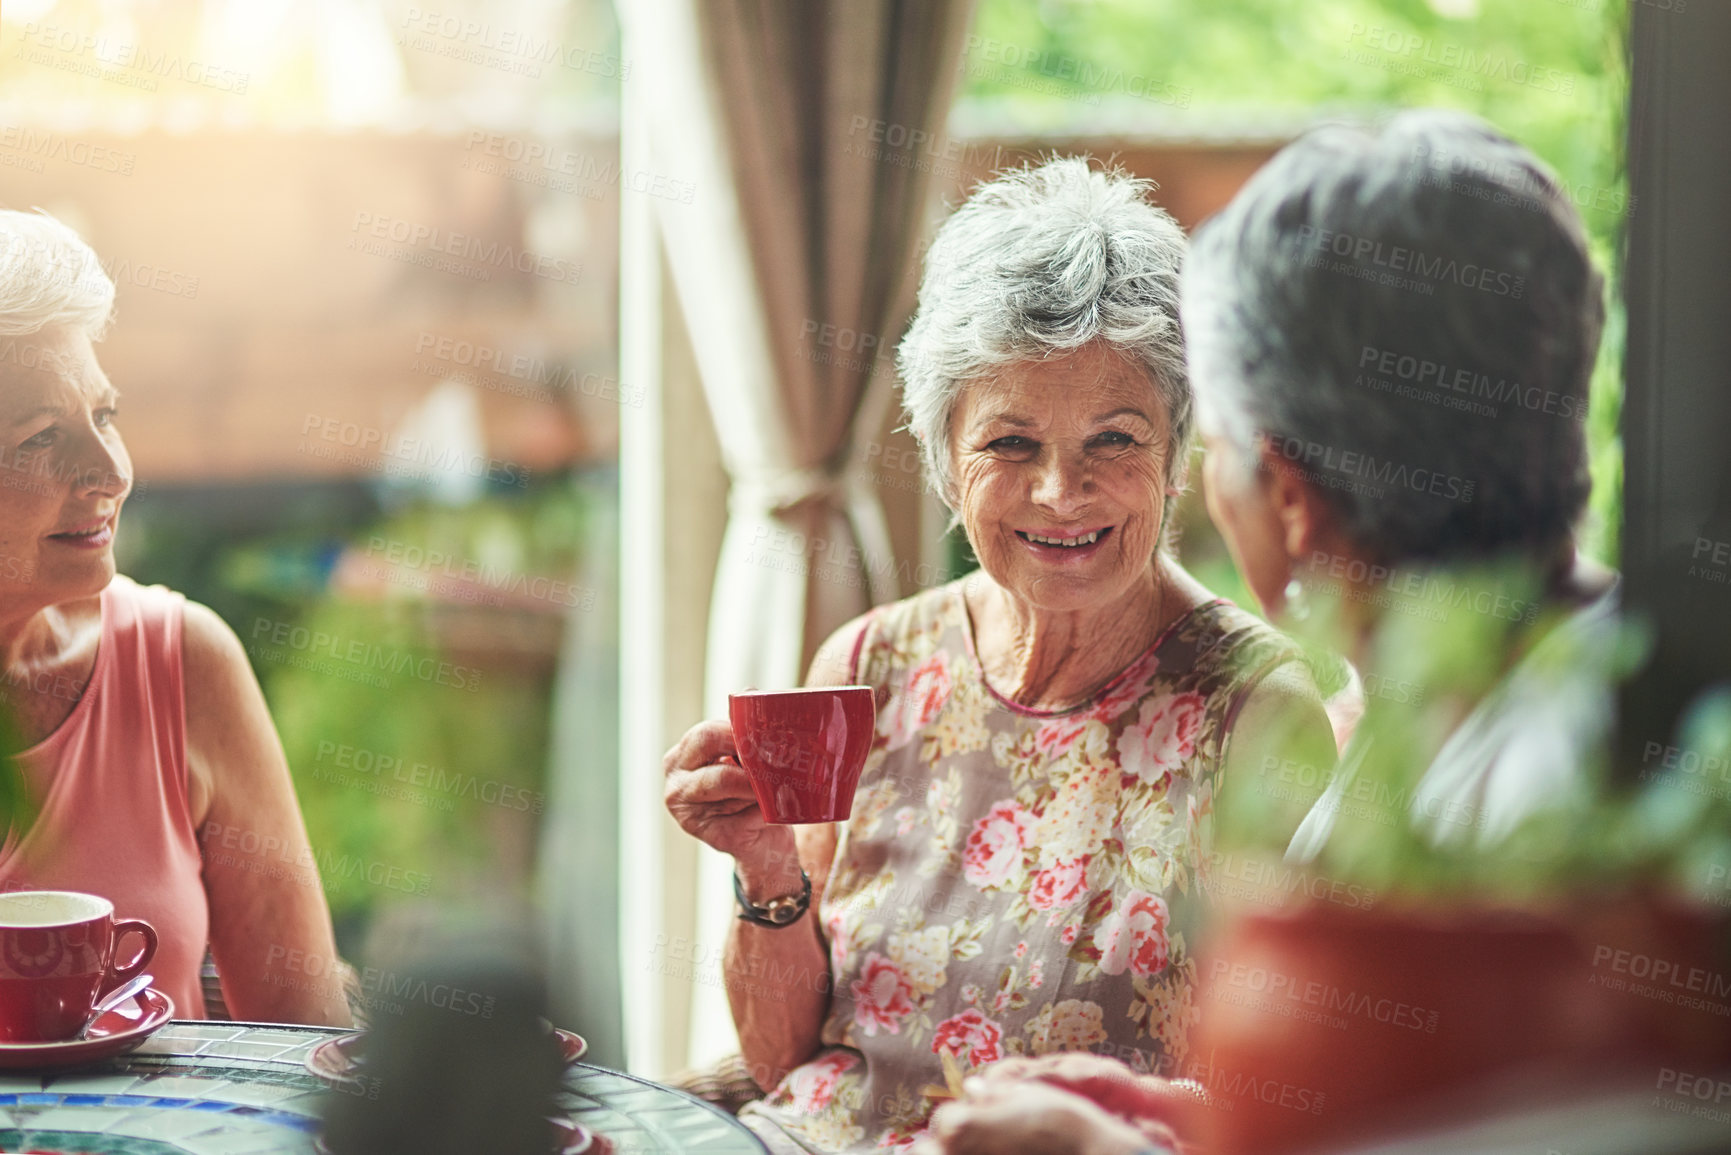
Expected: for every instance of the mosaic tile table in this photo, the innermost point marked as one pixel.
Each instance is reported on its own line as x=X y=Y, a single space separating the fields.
x=241 y=1089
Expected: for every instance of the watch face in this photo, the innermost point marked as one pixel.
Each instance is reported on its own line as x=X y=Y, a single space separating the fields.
x=777 y=911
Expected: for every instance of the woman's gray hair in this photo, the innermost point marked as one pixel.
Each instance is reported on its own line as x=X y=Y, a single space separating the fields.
x=49 y=276
x=1409 y=318
x=1038 y=262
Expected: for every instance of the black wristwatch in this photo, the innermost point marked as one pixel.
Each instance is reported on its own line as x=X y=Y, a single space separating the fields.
x=777 y=912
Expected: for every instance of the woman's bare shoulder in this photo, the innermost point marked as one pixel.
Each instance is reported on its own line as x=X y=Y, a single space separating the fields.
x=225 y=708
x=833 y=663
x=1184 y=592
x=211 y=652
x=837 y=661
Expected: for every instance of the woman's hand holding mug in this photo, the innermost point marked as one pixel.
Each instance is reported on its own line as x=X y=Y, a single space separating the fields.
x=710 y=795
x=784 y=757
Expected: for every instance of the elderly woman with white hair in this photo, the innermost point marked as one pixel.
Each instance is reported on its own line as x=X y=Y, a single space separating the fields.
x=1027 y=858
x=145 y=766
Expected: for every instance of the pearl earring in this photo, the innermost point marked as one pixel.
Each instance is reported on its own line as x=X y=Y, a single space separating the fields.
x=1297 y=601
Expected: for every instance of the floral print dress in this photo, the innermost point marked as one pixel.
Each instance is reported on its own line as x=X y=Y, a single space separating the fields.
x=1013 y=881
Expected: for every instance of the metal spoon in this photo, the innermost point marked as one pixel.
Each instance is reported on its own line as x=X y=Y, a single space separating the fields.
x=113 y=999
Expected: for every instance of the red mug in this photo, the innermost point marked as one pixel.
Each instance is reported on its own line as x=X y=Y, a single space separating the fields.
x=804 y=749
x=57 y=960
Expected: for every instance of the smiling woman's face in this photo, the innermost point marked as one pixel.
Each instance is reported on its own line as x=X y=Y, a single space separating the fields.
x=64 y=471
x=1060 y=470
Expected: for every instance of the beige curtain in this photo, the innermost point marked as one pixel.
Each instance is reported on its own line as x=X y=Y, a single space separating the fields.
x=807 y=130
x=806 y=99
x=832 y=113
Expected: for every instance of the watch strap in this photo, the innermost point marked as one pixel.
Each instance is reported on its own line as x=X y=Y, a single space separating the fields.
x=777 y=912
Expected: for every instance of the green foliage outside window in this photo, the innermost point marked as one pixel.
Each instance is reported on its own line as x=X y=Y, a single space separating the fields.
x=416 y=718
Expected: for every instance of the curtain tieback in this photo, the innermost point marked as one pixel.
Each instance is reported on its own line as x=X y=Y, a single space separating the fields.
x=778 y=491
x=775 y=492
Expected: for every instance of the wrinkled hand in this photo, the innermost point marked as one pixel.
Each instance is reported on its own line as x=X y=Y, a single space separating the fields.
x=712 y=801
x=1170 y=1105
x=1016 y=1115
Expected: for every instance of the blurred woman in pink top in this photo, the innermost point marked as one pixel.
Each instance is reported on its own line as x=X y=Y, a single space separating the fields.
x=150 y=771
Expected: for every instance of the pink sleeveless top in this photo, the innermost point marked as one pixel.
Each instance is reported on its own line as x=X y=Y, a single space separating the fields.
x=111 y=785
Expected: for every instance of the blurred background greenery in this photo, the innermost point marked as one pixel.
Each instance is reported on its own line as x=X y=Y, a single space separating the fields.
x=426 y=749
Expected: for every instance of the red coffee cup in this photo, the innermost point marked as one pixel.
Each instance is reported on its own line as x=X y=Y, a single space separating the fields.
x=57 y=959
x=804 y=749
